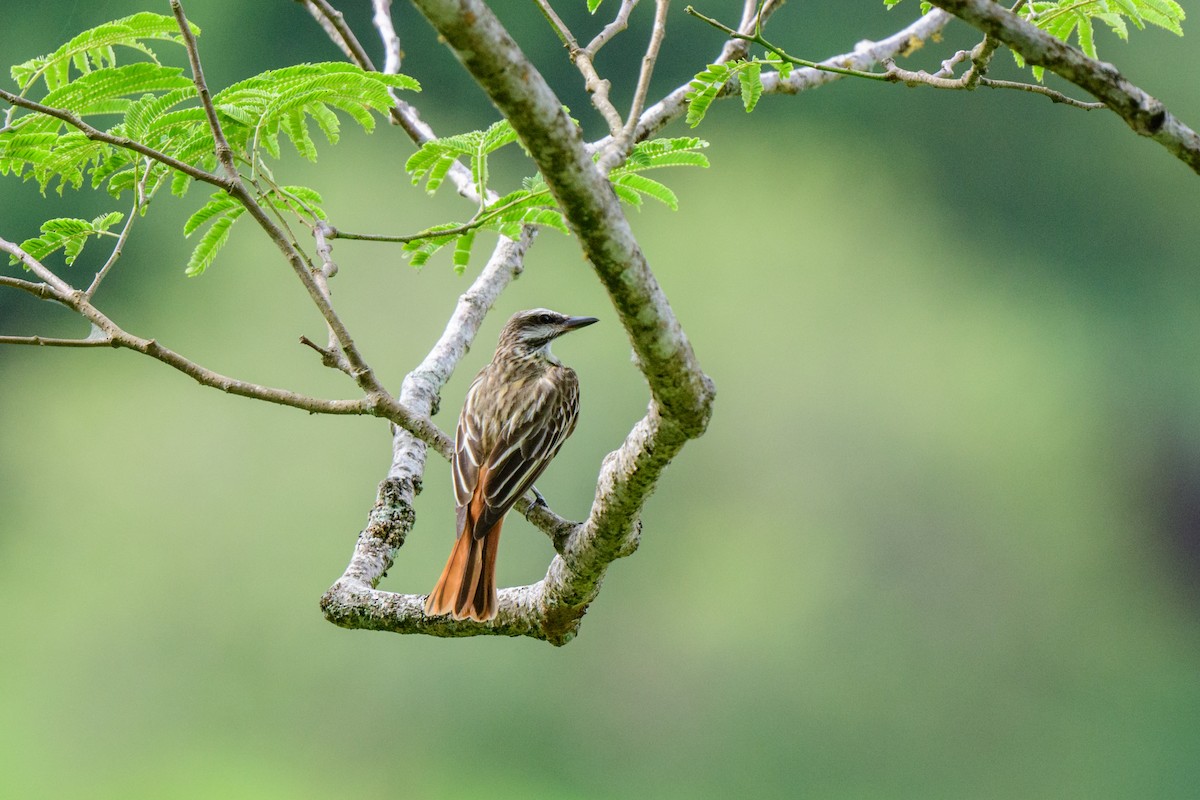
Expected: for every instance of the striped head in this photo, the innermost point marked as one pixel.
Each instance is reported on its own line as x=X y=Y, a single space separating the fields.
x=530 y=332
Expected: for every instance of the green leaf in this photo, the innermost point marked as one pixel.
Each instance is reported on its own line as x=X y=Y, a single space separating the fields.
x=211 y=242
x=220 y=203
x=99 y=92
x=593 y=5
x=703 y=89
x=750 y=80
x=94 y=49
x=648 y=187
x=69 y=235
x=547 y=218
x=1087 y=41
x=435 y=157
x=1066 y=18
x=462 y=251
x=300 y=200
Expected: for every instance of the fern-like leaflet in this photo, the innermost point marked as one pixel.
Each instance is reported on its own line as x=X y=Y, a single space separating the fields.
x=532 y=204
x=69 y=235
x=158 y=107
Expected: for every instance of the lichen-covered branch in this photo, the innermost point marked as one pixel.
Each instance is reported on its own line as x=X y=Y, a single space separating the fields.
x=1145 y=114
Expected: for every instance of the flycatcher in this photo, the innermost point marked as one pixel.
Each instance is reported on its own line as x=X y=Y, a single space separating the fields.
x=520 y=409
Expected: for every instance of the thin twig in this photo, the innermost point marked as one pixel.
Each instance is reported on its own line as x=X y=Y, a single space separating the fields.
x=387 y=32
x=618 y=151
x=60 y=287
x=46 y=341
x=756 y=38
x=120 y=245
x=560 y=27
x=42 y=291
x=619 y=23
x=479 y=221
x=338 y=22
x=648 y=62
x=223 y=150
x=1057 y=97
x=597 y=87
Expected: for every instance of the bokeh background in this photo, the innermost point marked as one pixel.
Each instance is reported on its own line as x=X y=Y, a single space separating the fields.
x=942 y=538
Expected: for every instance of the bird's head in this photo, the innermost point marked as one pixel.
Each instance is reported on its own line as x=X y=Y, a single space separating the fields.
x=532 y=331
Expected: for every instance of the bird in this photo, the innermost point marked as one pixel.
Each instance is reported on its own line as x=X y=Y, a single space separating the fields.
x=519 y=410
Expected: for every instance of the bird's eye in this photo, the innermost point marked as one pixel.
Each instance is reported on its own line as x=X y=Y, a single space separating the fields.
x=545 y=319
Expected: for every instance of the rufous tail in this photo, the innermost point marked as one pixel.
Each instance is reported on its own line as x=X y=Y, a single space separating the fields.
x=467 y=588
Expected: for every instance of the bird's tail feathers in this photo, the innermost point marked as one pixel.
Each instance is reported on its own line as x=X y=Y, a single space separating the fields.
x=467 y=587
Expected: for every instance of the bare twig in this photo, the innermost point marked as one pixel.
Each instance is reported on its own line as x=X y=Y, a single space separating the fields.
x=46 y=341
x=596 y=86
x=42 y=291
x=618 y=151
x=223 y=150
x=919 y=78
x=59 y=288
x=387 y=32
x=335 y=25
x=120 y=245
x=619 y=23
x=108 y=332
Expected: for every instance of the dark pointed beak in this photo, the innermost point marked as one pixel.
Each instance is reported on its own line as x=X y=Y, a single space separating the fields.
x=573 y=323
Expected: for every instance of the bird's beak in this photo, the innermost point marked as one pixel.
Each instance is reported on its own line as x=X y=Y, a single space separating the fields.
x=574 y=323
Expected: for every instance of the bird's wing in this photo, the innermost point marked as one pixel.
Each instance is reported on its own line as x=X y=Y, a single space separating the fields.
x=524 y=447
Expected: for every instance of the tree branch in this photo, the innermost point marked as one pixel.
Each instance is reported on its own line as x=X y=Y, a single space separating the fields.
x=1145 y=114
x=43 y=291
x=112 y=335
x=46 y=341
x=516 y=87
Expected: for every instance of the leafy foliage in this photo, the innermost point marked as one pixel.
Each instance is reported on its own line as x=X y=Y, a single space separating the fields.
x=221 y=211
x=532 y=204
x=94 y=49
x=159 y=107
x=434 y=159
x=1064 y=19
x=69 y=235
x=708 y=84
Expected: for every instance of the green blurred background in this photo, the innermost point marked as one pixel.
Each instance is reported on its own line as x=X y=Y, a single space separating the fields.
x=942 y=538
